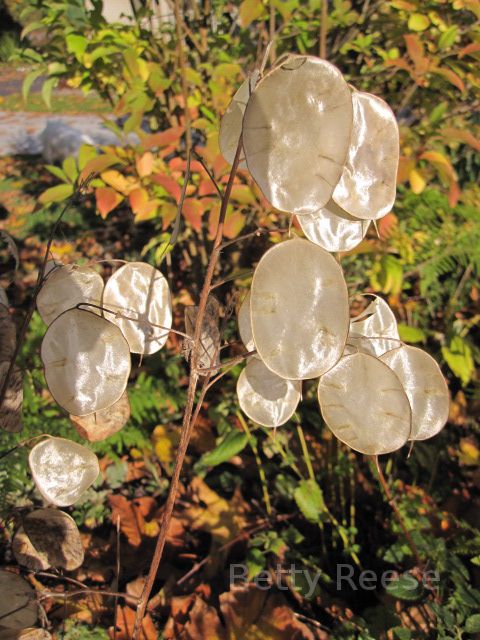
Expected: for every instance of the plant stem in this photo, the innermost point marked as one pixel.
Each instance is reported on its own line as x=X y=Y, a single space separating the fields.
x=188 y=421
x=183 y=72
x=323 y=30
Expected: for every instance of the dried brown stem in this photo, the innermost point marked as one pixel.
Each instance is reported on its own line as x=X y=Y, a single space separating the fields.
x=189 y=416
x=323 y=30
x=183 y=71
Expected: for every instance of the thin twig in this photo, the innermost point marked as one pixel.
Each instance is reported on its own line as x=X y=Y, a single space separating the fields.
x=208 y=172
x=323 y=30
x=183 y=71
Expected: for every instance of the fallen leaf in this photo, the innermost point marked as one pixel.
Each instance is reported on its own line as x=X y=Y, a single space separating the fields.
x=132 y=514
x=125 y=624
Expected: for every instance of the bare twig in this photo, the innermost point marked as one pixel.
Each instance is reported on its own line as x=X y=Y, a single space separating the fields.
x=323 y=30
x=183 y=71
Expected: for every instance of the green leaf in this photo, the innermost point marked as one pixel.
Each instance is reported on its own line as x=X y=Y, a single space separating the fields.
x=85 y=154
x=459 y=358
x=472 y=624
x=70 y=167
x=400 y=633
x=29 y=80
x=411 y=334
x=438 y=112
x=405 y=587
x=33 y=26
x=56 y=194
x=57 y=172
x=448 y=37
x=417 y=22
x=309 y=499
x=47 y=89
x=229 y=447
x=76 y=44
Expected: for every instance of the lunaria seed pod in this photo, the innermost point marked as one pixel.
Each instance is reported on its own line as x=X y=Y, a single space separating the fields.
x=103 y=424
x=140 y=292
x=62 y=470
x=375 y=330
x=299 y=310
x=266 y=398
x=65 y=288
x=364 y=404
x=86 y=360
x=368 y=183
x=425 y=387
x=244 y=321
x=296 y=133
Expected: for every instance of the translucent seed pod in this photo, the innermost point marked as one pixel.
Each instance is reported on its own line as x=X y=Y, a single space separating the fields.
x=62 y=470
x=266 y=398
x=375 y=330
x=87 y=362
x=299 y=310
x=425 y=387
x=244 y=321
x=333 y=228
x=139 y=291
x=365 y=406
x=296 y=133
x=65 y=288
x=103 y=424
x=231 y=123
x=367 y=187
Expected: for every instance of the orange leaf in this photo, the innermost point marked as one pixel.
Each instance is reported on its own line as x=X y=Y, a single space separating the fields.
x=168 y=213
x=107 y=199
x=416 y=52
x=206 y=188
x=169 y=184
x=386 y=225
x=405 y=165
x=132 y=514
x=473 y=47
x=461 y=135
x=193 y=211
x=178 y=164
x=451 y=76
x=118 y=181
x=163 y=138
x=125 y=624
x=144 y=164
x=142 y=207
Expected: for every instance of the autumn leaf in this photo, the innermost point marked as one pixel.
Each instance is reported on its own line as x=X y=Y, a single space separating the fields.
x=125 y=624
x=163 y=138
x=98 y=164
x=132 y=515
x=107 y=199
x=170 y=185
x=417 y=181
x=192 y=211
x=144 y=164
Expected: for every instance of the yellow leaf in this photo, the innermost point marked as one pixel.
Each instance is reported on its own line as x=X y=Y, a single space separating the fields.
x=469 y=454
x=417 y=181
x=165 y=440
x=119 y=182
x=417 y=22
x=250 y=10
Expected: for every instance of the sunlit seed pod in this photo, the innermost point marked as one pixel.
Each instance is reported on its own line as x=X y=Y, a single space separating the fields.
x=296 y=133
x=18 y=608
x=65 y=288
x=299 y=310
x=102 y=424
x=244 y=321
x=139 y=291
x=367 y=186
x=364 y=404
x=62 y=470
x=11 y=409
x=87 y=362
x=333 y=228
x=55 y=533
x=231 y=123
x=266 y=398
x=375 y=330
x=425 y=387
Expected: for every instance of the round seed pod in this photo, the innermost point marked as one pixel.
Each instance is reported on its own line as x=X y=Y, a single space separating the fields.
x=231 y=123
x=62 y=470
x=333 y=228
x=18 y=608
x=375 y=330
x=245 y=323
x=3 y=297
x=296 y=133
x=364 y=404
x=86 y=360
x=425 y=387
x=299 y=310
x=103 y=424
x=65 y=288
x=368 y=183
x=139 y=291
x=265 y=397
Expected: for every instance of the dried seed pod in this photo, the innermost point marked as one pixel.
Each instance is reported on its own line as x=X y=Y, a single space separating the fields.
x=3 y=297
x=8 y=334
x=26 y=554
x=140 y=292
x=231 y=123
x=425 y=387
x=299 y=310
x=208 y=355
x=368 y=183
x=31 y=633
x=11 y=408
x=265 y=397
x=86 y=360
x=62 y=470
x=375 y=330
x=333 y=228
x=18 y=608
x=296 y=133
x=103 y=424
x=65 y=288
x=364 y=404
x=244 y=321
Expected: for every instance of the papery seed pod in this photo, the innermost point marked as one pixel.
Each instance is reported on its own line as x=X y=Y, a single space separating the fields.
x=65 y=288
x=333 y=228
x=11 y=408
x=244 y=321
x=375 y=330
x=266 y=398
x=3 y=297
x=367 y=186
x=299 y=310
x=140 y=292
x=425 y=387
x=364 y=404
x=62 y=470
x=231 y=122
x=103 y=424
x=8 y=335
x=296 y=133
x=18 y=608
x=86 y=360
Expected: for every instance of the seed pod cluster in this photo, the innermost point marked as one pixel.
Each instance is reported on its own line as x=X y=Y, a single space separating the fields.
x=322 y=150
